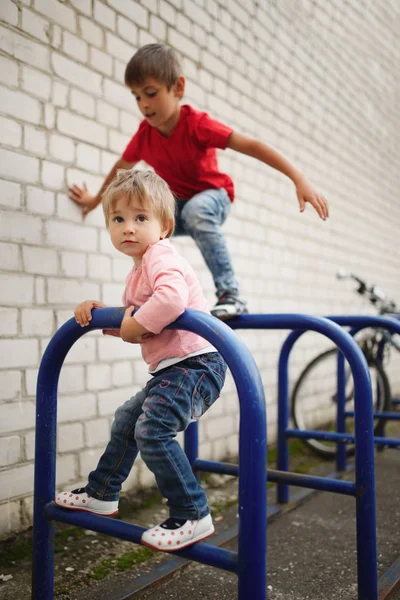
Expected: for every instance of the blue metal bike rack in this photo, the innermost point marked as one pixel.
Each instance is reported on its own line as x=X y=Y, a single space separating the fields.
x=250 y=561
x=364 y=487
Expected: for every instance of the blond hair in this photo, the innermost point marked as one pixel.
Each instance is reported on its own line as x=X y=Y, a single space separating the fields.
x=152 y=193
x=154 y=60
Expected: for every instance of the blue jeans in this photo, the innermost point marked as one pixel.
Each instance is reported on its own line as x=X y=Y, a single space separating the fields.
x=149 y=422
x=201 y=217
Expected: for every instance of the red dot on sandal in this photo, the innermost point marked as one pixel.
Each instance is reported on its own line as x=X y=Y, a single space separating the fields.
x=169 y=543
x=177 y=543
x=190 y=531
x=172 y=532
x=65 y=502
x=83 y=501
x=182 y=533
x=71 y=503
x=76 y=497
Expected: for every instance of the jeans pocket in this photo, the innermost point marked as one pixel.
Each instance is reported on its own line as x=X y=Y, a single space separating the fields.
x=204 y=395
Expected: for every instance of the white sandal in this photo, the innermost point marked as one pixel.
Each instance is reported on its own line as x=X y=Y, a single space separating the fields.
x=79 y=500
x=171 y=535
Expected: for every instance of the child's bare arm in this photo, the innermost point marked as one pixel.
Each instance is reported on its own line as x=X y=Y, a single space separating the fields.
x=305 y=191
x=82 y=196
x=131 y=331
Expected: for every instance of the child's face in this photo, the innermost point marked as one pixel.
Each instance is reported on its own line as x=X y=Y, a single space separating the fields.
x=158 y=104
x=133 y=228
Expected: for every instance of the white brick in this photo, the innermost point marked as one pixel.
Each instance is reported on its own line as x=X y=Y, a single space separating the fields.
x=35 y=25
x=53 y=175
x=62 y=148
x=158 y=28
x=184 y=45
x=68 y=292
x=11 y=132
x=97 y=433
x=31 y=376
x=16 y=290
x=60 y=94
x=36 y=83
x=88 y=157
x=66 y=235
x=184 y=25
x=113 y=348
x=10 y=450
x=104 y=15
x=10 y=194
x=118 y=95
x=35 y=141
x=77 y=74
x=29 y=443
x=37 y=321
x=40 y=291
x=121 y=373
x=216 y=66
x=75 y=47
x=69 y=437
x=99 y=267
x=19 y=105
x=58 y=12
x=41 y=261
x=24 y=49
x=8 y=13
x=112 y=294
x=98 y=377
x=68 y=210
x=10 y=519
x=88 y=460
x=19 y=353
x=110 y=401
x=119 y=70
x=56 y=36
x=131 y=9
x=20 y=227
x=127 y=30
x=198 y=15
x=16 y=482
x=84 y=6
x=94 y=182
x=8 y=322
x=10 y=385
x=91 y=32
x=107 y=161
x=49 y=116
x=82 y=103
x=39 y=201
x=81 y=128
x=120 y=268
x=9 y=71
x=66 y=470
x=76 y=408
x=151 y=5
x=101 y=61
x=19 y=167
x=72 y=379
x=167 y=12
x=118 y=141
x=146 y=38
x=73 y=264
x=118 y=48
x=9 y=257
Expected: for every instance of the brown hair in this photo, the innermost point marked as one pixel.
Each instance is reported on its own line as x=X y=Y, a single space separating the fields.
x=149 y=189
x=153 y=60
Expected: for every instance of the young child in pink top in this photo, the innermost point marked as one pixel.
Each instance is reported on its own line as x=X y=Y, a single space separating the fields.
x=187 y=373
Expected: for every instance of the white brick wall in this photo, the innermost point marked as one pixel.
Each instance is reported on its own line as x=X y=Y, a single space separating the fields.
x=65 y=116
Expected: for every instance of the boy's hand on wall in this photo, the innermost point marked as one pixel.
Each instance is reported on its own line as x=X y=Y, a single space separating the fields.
x=83 y=312
x=307 y=193
x=82 y=196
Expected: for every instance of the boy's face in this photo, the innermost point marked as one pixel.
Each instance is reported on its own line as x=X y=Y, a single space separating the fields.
x=134 y=228
x=158 y=104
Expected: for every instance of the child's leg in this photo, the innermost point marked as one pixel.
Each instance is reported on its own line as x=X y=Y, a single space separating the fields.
x=202 y=217
x=104 y=483
x=176 y=396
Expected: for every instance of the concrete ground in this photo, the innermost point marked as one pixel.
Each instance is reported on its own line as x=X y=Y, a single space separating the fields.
x=311 y=551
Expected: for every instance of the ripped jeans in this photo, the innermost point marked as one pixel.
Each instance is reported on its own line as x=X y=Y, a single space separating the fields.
x=201 y=217
x=149 y=422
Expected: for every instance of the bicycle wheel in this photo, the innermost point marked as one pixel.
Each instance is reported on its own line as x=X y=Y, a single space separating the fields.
x=313 y=400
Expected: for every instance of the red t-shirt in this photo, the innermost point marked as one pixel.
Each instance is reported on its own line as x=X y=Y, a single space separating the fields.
x=187 y=159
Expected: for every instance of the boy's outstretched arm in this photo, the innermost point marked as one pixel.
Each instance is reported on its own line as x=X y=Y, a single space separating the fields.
x=305 y=191
x=82 y=196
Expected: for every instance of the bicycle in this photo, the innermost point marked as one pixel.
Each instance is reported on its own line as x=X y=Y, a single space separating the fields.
x=313 y=400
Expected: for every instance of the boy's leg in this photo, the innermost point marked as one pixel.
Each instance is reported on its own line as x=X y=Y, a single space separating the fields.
x=201 y=218
x=174 y=398
x=104 y=483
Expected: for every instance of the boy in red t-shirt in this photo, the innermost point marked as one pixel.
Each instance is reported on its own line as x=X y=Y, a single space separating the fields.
x=180 y=143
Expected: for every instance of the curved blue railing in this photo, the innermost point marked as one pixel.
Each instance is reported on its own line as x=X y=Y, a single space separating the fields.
x=250 y=561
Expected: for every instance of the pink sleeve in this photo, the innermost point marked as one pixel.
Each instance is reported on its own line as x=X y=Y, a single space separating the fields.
x=170 y=291
x=211 y=133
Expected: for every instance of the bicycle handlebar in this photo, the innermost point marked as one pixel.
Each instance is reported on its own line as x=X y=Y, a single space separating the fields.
x=374 y=293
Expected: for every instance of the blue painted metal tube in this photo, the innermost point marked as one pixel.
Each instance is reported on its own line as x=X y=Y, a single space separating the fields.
x=252 y=446
x=204 y=553
x=307 y=481
x=390 y=416
x=331 y=436
x=365 y=475
x=341 y=455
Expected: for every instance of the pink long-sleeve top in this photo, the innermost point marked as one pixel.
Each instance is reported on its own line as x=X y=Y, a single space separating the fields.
x=163 y=286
